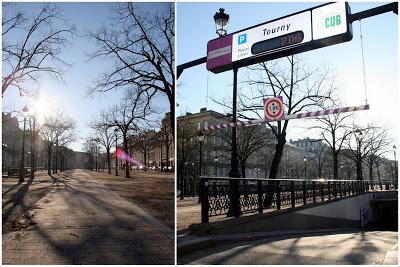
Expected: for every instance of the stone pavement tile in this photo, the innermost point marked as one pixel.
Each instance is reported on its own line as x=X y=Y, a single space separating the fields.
x=87 y=223
x=156 y=260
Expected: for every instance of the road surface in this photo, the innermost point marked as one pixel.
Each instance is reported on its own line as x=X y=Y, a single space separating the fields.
x=334 y=248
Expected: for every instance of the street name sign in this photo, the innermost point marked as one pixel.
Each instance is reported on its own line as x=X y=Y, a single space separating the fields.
x=306 y=30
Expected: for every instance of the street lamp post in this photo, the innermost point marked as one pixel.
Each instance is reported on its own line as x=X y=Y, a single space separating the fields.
x=193 y=178
x=22 y=167
x=116 y=147
x=216 y=165
x=221 y=20
x=395 y=162
x=183 y=181
x=33 y=147
x=305 y=168
x=200 y=137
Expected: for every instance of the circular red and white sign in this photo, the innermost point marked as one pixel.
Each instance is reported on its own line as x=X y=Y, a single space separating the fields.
x=273 y=108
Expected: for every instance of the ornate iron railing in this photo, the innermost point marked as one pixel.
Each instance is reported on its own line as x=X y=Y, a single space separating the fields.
x=259 y=194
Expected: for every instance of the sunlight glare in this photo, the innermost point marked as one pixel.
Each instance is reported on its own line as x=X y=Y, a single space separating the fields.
x=42 y=106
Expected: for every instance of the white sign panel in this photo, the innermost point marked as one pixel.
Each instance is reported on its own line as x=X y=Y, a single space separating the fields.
x=242 y=42
x=329 y=20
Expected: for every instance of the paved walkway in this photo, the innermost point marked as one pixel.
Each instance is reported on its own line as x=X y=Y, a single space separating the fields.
x=370 y=247
x=81 y=221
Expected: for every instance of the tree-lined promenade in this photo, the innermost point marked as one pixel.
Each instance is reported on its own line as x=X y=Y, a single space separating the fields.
x=67 y=198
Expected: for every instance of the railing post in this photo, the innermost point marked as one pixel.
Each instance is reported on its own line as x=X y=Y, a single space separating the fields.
x=292 y=198
x=340 y=189
x=260 y=196
x=278 y=195
x=204 y=200
x=329 y=190
x=352 y=188
x=344 y=188
x=304 y=193
x=334 y=189
x=313 y=192
x=322 y=191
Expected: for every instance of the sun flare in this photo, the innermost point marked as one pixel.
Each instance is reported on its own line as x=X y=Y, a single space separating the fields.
x=42 y=106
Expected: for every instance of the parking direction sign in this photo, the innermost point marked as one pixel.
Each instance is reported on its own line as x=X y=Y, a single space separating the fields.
x=317 y=27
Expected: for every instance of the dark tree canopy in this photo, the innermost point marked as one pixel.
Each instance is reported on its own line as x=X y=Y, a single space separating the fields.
x=141 y=47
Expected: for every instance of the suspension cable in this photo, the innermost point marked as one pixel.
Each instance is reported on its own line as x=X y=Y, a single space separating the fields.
x=363 y=63
x=208 y=72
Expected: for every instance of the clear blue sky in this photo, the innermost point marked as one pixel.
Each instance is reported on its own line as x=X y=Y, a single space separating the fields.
x=195 y=26
x=71 y=95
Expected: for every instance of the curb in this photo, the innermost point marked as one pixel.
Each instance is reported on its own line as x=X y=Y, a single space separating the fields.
x=196 y=243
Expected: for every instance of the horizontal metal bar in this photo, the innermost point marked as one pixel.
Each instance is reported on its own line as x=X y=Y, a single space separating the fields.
x=182 y=67
x=374 y=11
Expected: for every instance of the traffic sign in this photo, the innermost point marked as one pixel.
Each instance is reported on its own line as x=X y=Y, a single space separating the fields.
x=273 y=108
x=313 y=28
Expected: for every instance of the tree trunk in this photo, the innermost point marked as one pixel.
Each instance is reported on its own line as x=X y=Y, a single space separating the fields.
x=335 y=164
x=167 y=156
x=127 y=174
x=277 y=157
x=243 y=168
x=171 y=98
x=108 y=161
x=379 y=174
x=56 y=156
x=371 y=167
x=49 y=155
x=274 y=168
x=182 y=184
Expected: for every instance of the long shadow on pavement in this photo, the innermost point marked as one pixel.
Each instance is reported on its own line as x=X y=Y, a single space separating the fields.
x=124 y=237
x=228 y=252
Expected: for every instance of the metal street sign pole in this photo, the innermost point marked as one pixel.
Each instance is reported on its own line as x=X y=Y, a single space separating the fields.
x=234 y=209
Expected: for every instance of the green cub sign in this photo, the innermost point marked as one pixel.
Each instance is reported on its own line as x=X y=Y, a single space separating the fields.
x=332 y=21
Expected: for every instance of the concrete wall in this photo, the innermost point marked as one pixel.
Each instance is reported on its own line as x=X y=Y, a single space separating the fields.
x=343 y=213
x=348 y=208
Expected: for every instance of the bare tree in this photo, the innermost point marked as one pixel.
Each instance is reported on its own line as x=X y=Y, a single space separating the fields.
x=166 y=138
x=104 y=134
x=319 y=157
x=141 y=45
x=32 y=46
x=144 y=142
x=360 y=145
x=90 y=146
x=249 y=140
x=186 y=145
x=377 y=147
x=130 y=115
x=300 y=88
x=57 y=130
x=334 y=130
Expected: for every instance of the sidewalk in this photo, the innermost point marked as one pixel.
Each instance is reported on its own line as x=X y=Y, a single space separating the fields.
x=82 y=221
x=329 y=246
